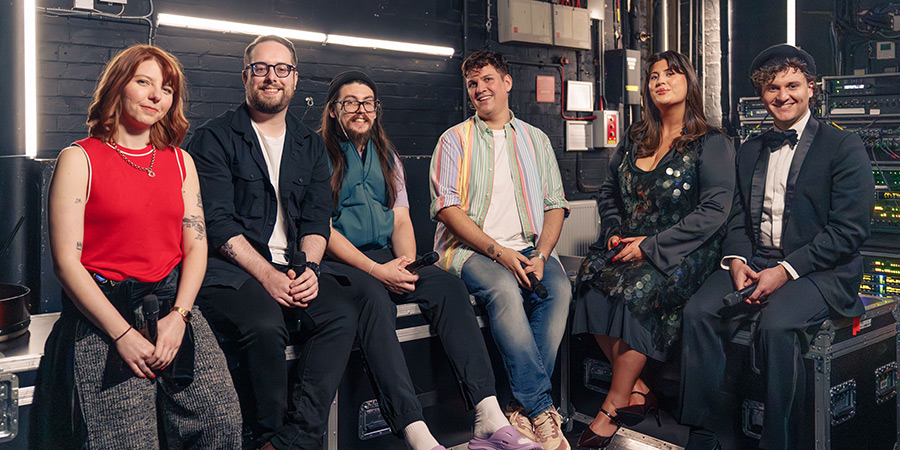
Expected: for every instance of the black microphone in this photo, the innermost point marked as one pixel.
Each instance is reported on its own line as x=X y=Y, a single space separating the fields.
x=536 y=286
x=150 y=308
x=424 y=260
x=607 y=256
x=738 y=296
x=298 y=262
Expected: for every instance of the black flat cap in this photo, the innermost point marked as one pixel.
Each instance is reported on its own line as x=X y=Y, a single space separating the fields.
x=347 y=77
x=779 y=53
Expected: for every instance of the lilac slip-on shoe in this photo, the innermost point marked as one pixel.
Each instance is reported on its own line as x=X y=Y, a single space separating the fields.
x=506 y=438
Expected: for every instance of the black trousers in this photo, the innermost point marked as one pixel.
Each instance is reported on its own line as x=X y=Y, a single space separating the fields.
x=289 y=416
x=793 y=312
x=444 y=302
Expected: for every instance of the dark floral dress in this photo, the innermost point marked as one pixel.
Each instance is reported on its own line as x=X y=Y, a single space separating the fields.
x=683 y=221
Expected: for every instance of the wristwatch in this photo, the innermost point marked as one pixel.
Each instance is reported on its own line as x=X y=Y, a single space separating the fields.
x=185 y=314
x=314 y=267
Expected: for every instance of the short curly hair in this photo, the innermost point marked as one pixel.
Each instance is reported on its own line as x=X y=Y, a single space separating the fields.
x=483 y=58
x=764 y=75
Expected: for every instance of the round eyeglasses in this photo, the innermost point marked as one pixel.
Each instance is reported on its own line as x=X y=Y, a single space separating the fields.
x=353 y=106
x=261 y=69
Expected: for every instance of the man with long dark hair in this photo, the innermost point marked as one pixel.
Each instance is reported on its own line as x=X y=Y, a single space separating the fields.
x=372 y=240
x=801 y=212
x=497 y=194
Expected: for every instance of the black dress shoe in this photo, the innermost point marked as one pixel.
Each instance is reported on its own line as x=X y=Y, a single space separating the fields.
x=635 y=414
x=589 y=439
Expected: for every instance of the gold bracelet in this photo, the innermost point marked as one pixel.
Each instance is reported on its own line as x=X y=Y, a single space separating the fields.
x=373 y=266
x=123 y=334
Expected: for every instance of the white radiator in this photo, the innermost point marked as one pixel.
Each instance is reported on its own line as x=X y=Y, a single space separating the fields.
x=580 y=229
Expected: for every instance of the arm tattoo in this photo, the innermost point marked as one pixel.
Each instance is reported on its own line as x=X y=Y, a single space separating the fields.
x=78 y=245
x=195 y=222
x=228 y=251
x=490 y=250
x=199 y=201
x=77 y=200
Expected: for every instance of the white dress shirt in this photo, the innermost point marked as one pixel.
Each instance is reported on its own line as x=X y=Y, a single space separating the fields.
x=772 y=221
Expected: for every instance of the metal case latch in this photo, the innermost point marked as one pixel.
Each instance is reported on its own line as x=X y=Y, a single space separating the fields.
x=752 y=418
x=843 y=402
x=597 y=375
x=371 y=423
x=9 y=406
x=885 y=382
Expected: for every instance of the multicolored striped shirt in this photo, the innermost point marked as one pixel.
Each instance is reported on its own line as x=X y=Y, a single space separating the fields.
x=461 y=171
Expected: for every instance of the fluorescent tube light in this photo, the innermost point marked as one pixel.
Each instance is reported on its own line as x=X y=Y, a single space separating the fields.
x=198 y=23
x=30 y=68
x=792 y=22
x=351 y=41
x=389 y=45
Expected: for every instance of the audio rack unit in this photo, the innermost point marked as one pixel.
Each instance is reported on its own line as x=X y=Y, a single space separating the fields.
x=861 y=95
x=753 y=117
x=881 y=275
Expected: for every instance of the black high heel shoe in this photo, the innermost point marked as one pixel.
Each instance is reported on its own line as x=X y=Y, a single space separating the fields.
x=589 y=439
x=635 y=414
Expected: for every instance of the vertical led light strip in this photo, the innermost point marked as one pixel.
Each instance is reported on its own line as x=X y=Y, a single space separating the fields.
x=30 y=81
x=792 y=22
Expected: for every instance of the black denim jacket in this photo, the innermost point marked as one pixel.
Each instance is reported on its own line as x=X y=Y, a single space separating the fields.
x=238 y=196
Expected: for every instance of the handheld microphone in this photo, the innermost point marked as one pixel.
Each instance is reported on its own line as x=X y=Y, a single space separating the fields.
x=738 y=296
x=607 y=256
x=298 y=262
x=150 y=308
x=536 y=286
x=424 y=260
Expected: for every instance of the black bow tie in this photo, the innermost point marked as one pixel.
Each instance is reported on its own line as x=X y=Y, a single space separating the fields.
x=775 y=139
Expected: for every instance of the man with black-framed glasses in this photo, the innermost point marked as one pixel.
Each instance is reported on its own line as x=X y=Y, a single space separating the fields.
x=264 y=178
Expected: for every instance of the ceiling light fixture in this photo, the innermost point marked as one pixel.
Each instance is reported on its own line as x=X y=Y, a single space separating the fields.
x=198 y=23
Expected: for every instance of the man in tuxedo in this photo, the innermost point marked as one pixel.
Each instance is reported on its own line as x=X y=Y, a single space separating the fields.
x=801 y=212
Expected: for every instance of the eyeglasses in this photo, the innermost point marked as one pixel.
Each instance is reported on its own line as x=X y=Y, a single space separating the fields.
x=260 y=69
x=352 y=106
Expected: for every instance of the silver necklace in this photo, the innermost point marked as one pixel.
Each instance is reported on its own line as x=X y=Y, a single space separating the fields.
x=149 y=170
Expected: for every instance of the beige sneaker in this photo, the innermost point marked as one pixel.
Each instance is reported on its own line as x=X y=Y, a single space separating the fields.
x=547 y=432
x=521 y=422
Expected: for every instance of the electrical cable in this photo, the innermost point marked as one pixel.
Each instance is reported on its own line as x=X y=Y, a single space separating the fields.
x=92 y=14
x=562 y=98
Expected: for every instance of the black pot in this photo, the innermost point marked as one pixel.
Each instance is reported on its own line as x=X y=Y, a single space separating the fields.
x=14 y=316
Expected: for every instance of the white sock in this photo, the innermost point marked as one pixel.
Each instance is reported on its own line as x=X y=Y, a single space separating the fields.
x=488 y=417
x=418 y=437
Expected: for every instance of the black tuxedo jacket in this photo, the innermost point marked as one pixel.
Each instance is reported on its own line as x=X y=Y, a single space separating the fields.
x=828 y=201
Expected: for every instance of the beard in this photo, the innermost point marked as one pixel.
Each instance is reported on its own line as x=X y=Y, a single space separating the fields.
x=359 y=139
x=266 y=105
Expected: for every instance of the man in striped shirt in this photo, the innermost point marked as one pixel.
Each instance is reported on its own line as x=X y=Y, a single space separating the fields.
x=497 y=194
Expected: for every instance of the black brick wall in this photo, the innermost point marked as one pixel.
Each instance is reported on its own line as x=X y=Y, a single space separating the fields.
x=422 y=95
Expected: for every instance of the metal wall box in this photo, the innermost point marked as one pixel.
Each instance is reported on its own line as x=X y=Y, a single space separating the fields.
x=524 y=21
x=623 y=76
x=571 y=27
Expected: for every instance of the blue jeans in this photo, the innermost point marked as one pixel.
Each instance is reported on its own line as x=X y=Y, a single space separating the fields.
x=526 y=328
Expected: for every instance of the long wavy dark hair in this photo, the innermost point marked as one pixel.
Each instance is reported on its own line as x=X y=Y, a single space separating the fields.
x=331 y=132
x=647 y=133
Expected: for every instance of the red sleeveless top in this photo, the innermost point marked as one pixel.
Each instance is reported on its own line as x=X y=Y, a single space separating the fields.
x=132 y=222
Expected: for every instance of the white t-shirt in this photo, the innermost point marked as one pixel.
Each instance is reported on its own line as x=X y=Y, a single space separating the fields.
x=502 y=222
x=273 y=147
